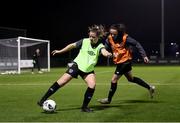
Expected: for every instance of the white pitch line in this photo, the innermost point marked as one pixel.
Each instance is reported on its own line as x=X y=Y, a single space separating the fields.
x=100 y=72
x=40 y=84
x=71 y=83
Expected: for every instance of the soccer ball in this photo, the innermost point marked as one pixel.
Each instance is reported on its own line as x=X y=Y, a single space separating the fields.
x=49 y=105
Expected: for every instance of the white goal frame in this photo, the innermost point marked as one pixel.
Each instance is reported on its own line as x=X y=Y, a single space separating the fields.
x=39 y=40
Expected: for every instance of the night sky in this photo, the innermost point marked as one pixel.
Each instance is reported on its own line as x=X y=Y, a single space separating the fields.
x=65 y=21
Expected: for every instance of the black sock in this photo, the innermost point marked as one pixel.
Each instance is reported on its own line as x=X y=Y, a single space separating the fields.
x=140 y=82
x=50 y=91
x=87 y=96
x=112 y=91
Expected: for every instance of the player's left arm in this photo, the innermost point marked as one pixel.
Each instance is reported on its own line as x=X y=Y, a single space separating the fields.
x=146 y=59
x=105 y=53
x=139 y=47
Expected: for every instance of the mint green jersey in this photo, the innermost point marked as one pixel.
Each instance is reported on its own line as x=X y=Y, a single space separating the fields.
x=88 y=56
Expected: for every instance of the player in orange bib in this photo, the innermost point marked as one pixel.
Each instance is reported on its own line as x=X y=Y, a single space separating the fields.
x=120 y=44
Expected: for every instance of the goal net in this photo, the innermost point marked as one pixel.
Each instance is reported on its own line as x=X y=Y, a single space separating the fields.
x=16 y=54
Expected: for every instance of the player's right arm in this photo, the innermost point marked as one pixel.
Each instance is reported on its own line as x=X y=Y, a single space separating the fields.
x=69 y=47
x=65 y=49
x=107 y=45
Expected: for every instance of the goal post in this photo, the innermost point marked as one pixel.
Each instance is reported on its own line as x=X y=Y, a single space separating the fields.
x=16 y=54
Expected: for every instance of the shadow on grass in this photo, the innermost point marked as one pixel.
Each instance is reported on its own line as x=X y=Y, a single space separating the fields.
x=124 y=104
x=115 y=104
x=105 y=106
x=44 y=112
x=68 y=109
x=139 y=101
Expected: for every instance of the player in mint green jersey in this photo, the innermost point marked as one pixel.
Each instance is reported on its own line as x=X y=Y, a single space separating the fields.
x=83 y=64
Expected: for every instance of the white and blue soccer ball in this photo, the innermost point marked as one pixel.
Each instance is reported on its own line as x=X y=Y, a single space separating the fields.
x=49 y=105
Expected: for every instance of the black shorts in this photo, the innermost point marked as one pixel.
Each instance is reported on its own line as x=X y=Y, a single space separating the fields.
x=74 y=71
x=123 y=68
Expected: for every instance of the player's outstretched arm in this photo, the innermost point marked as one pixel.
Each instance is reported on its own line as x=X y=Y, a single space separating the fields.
x=105 y=53
x=65 y=49
x=146 y=59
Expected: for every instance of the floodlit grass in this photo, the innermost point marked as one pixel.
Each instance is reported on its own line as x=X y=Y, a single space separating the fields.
x=131 y=103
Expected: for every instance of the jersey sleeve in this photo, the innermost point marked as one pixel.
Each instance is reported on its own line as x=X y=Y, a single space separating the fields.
x=79 y=43
x=107 y=45
x=133 y=42
x=101 y=46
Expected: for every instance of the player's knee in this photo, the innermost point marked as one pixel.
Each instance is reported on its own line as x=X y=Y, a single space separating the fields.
x=92 y=85
x=114 y=80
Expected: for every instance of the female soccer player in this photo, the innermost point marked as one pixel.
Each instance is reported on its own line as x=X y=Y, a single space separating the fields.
x=120 y=43
x=83 y=64
x=36 y=61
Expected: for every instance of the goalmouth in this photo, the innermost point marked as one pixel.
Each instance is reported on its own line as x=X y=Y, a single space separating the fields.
x=16 y=54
